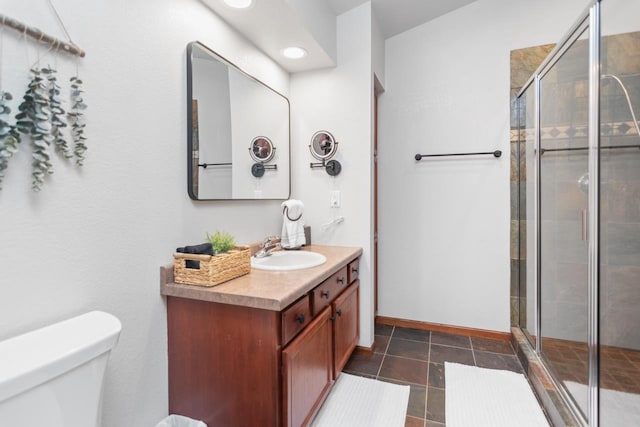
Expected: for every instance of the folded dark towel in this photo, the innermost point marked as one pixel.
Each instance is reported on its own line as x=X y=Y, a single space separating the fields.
x=202 y=249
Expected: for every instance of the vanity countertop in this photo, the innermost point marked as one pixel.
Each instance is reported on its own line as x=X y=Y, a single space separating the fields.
x=270 y=290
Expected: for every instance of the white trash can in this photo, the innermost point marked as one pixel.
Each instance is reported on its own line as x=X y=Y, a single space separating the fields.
x=180 y=421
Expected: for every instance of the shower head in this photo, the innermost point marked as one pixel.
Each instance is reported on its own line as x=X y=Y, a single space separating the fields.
x=605 y=80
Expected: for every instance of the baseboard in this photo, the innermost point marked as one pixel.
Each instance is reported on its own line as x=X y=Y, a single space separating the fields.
x=439 y=327
x=366 y=350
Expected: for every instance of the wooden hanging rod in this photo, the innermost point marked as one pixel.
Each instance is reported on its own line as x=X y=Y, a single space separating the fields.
x=38 y=35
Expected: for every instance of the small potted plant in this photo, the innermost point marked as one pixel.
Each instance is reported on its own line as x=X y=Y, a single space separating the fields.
x=221 y=242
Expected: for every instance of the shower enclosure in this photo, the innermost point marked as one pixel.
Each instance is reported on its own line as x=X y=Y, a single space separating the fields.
x=578 y=153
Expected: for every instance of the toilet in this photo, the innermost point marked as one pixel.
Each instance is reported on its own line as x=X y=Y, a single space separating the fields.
x=53 y=376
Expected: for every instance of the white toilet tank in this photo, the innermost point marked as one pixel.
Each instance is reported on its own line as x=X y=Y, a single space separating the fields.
x=53 y=376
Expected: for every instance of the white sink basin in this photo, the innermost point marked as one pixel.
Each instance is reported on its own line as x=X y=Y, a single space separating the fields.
x=288 y=260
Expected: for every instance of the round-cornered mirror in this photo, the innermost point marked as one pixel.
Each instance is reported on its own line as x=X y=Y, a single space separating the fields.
x=323 y=145
x=262 y=149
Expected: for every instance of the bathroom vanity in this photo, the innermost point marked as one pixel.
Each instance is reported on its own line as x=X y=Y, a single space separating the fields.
x=263 y=349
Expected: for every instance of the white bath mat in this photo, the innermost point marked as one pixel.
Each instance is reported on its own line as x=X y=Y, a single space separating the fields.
x=489 y=397
x=617 y=408
x=362 y=402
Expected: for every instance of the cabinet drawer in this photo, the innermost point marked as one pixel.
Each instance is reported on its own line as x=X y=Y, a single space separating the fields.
x=353 y=270
x=295 y=318
x=328 y=290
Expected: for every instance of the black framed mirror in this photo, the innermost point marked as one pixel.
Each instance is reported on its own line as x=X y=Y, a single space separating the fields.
x=226 y=109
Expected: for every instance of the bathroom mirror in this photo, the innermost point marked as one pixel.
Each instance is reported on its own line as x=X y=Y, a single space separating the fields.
x=323 y=145
x=228 y=110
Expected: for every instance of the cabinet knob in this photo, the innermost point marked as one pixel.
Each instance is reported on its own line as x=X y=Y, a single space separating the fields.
x=325 y=294
x=340 y=280
x=339 y=312
x=300 y=318
x=354 y=270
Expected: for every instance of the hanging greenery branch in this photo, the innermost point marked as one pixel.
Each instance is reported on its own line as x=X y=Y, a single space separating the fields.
x=34 y=120
x=76 y=117
x=9 y=135
x=57 y=114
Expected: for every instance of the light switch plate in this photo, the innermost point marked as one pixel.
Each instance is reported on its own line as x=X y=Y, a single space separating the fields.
x=335 y=199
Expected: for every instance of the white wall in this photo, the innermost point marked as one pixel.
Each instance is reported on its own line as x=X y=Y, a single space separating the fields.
x=377 y=50
x=320 y=21
x=339 y=100
x=444 y=223
x=94 y=238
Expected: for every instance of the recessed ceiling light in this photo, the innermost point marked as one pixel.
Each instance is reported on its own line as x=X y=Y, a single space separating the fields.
x=239 y=4
x=294 y=52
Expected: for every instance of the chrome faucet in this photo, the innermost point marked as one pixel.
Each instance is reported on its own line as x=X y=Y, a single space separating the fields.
x=268 y=245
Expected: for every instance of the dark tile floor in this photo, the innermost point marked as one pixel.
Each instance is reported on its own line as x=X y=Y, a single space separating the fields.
x=416 y=358
x=619 y=367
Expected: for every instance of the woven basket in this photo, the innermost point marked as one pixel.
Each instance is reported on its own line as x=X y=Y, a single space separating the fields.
x=208 y=270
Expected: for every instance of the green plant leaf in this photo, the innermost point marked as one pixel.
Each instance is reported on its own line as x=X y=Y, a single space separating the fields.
x=221 y=242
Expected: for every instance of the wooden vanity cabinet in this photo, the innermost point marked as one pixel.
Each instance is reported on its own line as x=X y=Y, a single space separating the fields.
x=312 y=362
x=224 y=363
x=236 y=366
x=307 y=368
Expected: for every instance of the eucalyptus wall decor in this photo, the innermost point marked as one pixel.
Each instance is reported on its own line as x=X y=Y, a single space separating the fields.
x=41 y=119
x=41 y=116
x=33 y=120
x=76 y=117
x=9 y=135
x=57 y=114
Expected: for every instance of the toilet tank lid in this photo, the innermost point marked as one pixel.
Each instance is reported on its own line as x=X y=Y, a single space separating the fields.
x=35 y=357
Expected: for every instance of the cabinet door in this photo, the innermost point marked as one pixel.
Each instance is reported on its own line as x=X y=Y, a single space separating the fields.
x=307 y=371
x=346 y=326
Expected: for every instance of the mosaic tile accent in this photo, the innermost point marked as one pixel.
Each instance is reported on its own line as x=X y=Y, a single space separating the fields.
x=616 y=129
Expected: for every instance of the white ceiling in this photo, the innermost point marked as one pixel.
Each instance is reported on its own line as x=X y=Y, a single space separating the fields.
x=398 y=16
x=275 y=24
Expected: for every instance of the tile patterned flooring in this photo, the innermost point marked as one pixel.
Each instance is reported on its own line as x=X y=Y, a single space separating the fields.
x=619 y=367
x=416 y=358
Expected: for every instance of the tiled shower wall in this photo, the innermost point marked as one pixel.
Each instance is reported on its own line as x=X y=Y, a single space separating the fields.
x=620 y=196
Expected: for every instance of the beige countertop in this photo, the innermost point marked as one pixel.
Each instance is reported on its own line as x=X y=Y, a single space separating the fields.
x=270 y=290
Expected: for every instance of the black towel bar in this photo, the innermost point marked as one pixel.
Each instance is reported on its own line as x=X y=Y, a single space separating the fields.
x=605 y=147
x=495 y=154
x=206 y=165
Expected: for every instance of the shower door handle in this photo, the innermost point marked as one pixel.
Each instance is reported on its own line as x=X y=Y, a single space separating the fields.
x=585 y=220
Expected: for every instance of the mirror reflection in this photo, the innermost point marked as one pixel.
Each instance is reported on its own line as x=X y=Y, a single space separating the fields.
x=323 y=145
x=228 y=111
x=261 y=149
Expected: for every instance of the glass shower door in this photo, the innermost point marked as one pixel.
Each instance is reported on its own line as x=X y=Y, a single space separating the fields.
x=619 y=304
x=563 y=185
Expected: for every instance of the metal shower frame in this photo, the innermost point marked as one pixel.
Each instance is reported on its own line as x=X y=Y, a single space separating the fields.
x=589 y=21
